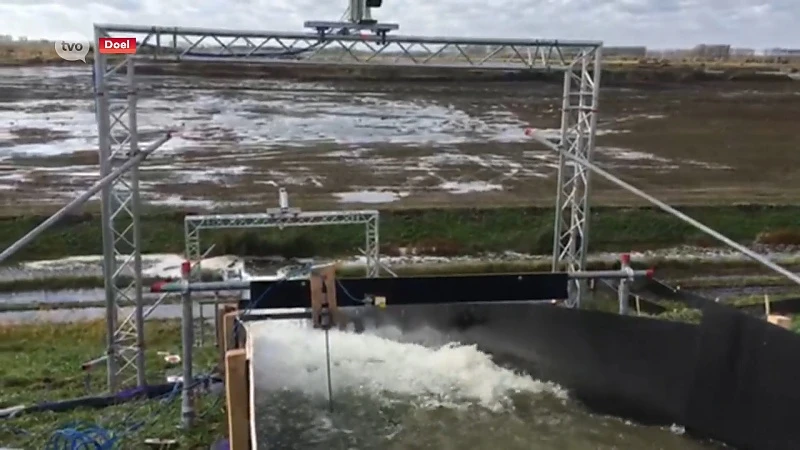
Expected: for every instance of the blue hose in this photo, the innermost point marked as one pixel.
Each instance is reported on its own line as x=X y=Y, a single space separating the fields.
x=81 y=437
x=84 y=436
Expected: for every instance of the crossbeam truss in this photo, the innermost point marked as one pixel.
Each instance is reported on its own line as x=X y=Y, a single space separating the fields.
x=116 y=106
x=304 y=48
x=369 y=218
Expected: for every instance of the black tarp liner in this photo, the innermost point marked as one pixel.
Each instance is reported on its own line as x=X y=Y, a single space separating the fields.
x=744 y=387
x=415 y=290
x=731 y=378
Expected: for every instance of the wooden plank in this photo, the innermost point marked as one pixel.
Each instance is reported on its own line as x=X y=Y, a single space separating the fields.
x=221 y=340
x=322 y=284
x=237 y=399
x=228 y=324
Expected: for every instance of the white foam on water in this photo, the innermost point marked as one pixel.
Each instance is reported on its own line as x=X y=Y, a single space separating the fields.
x=370 y=196
x=466 y=187
x=290 y=355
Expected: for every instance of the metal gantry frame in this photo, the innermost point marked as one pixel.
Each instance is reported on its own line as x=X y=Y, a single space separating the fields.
x=578 y=132
x=116 y=106
x=281 y=219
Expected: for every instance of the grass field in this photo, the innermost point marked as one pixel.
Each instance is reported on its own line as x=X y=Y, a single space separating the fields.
x=439 y=232
x=36 y=366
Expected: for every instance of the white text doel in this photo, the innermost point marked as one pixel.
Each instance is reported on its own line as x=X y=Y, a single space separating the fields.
x=109 y=44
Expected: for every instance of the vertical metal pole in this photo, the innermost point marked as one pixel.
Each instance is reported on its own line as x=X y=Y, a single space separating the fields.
x=109 y=265
x=559 y=216
x=580 y=176
x=356 y=10
x=136 y=206
x=187 y=328
x=368 y=246
x=372 y=247
x=191 y=235
x=216 y=321
x=595 y=104
x=376 y=245
x=624 y=289
x=202 y=327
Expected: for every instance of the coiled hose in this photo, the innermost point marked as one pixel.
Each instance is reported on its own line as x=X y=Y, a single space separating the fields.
x=82 y=436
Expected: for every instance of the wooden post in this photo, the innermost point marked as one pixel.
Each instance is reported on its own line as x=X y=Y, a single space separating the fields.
x=776 y=319
x=228 y=324
x=236 y=392
x=323 y=293
x=221 y=340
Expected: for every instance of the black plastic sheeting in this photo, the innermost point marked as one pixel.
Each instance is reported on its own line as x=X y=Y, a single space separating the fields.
x=651 y=291
x=732 y=378
x=652 y=288
x=414 y=290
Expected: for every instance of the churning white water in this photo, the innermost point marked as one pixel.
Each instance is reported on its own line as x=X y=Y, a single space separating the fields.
x=291 y=355
x=392 y=395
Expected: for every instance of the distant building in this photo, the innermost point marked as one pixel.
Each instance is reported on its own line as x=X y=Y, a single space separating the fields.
x=716 y=51
x=631 y=52
x=672 y=53
x=743 y=52
x=782 y=52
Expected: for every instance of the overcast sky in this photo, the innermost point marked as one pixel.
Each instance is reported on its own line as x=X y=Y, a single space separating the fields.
x=655 y=23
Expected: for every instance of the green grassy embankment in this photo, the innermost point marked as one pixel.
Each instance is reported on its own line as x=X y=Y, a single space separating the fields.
x=443 y=232
x=36 y=365
x=439 y=232
x=434 y=232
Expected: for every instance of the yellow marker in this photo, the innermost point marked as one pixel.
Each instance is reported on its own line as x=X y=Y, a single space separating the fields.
x=380 y=302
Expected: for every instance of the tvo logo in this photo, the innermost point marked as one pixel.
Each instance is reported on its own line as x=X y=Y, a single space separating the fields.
x=73 y=47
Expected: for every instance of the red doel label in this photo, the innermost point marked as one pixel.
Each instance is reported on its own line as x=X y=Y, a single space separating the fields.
x=117 y=46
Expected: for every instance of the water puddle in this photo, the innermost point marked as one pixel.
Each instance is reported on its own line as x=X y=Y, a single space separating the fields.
x=370 y=196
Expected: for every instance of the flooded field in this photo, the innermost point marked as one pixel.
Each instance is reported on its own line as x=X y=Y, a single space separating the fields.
x=377 y=143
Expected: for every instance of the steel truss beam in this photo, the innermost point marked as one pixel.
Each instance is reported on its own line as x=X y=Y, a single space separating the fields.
x=369 y=218
x=282 y=48
x=116 y=101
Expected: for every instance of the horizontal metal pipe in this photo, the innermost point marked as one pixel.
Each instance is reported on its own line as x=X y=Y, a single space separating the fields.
x=178 y=286
x=242 y=285
x=612 y=274
x=242 y=59
x=83 y=198
x=666 y=208
x=305 y=313
x=252 y=34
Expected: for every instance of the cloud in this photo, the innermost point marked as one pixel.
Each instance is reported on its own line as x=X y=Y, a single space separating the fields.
x=655 y=23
